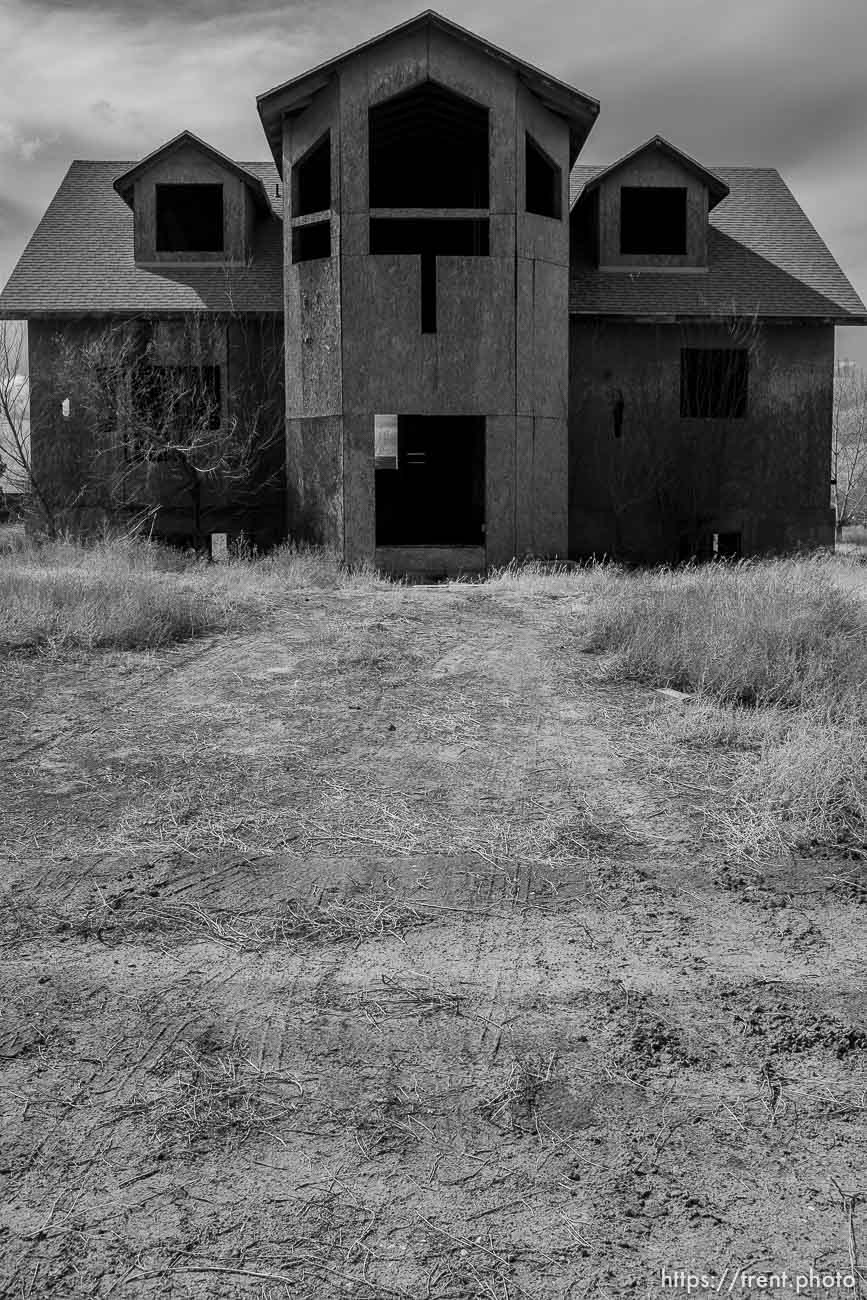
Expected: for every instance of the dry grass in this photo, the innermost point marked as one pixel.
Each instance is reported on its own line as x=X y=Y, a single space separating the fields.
x=128 y=593
x=771 y=633
x=214 y=1097
x=788 y=638
x=352 y=918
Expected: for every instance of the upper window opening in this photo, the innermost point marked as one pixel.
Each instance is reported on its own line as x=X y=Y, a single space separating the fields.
x=429 y=149
x=312 y=177
x=311 y=242
x=460 y=236
x=714 y=383
x=543 y=190
x=189 y=218
x=653 y=219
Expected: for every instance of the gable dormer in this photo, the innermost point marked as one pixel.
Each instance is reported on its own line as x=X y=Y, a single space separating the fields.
x=649 y=210
x=192 y=205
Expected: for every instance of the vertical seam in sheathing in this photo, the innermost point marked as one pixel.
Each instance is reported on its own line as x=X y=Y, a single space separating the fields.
x=338 y=131
x=515 y=352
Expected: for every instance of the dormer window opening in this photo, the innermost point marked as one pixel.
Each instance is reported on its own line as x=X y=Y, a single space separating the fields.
x=653 y=220
x=189 y=218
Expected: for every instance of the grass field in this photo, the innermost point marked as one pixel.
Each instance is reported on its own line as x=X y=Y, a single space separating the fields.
x=495 y=939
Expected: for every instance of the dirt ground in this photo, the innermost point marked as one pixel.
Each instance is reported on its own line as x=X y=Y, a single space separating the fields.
x=378 y=953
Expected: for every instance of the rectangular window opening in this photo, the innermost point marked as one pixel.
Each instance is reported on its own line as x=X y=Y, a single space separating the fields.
x=312 y=179
x=542 y=182
x=189 y=218
x=727 y=546
x=653 y=220
x=714 y=383
x=311 y=242
x=428 y=294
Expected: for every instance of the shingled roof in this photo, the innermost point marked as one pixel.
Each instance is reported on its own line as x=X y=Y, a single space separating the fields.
x=765 y=258
x=80 y=259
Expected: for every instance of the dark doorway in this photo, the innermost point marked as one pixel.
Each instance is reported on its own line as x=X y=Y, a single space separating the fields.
x=432 y=492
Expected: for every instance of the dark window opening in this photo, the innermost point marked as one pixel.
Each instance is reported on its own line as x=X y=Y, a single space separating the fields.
x=310 y=242
x=312 y=180
x=430 y=480
x=428 y=149
x=189 y=218
x=172 y=407
x=430 y=237
x=428 y=294
x=653 y=220
x=714 y=383
x=460 y=237
x=727 y=546
x=542 y=188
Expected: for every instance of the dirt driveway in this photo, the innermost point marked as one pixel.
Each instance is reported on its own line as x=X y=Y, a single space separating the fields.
x=376 y=953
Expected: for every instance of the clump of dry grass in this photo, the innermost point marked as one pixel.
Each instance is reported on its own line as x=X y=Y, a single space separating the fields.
x=515 y=1106
x=129 y=593
x=350 y=918
x=805 y=790
x=770 y=633
x=787 y=638
x=210 y=1098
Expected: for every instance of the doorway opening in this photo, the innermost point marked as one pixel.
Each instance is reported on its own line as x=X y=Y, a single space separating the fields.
x=430 y=480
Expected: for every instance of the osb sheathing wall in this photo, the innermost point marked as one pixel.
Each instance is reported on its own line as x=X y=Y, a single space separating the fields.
x=187 y=165
x=355 y=347
x=249 y=352
x=653 y=168
x=766 y=476
x=314 y=389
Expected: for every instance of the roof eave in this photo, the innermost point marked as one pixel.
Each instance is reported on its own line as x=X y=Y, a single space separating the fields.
x=293 y=96
x=716 y=186
x=124 y=184
x=697 y=318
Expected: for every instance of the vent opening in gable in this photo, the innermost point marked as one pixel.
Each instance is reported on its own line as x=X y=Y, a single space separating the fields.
x=428 y=149
x=312 y=180
x=542 y=187
x=653 y=220
x=189 y=218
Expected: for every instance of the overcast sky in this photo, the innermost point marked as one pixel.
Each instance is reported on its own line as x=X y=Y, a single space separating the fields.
x=776 y=83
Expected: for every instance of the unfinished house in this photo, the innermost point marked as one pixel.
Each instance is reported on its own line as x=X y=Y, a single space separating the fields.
x=152 y=297
x=488 y=349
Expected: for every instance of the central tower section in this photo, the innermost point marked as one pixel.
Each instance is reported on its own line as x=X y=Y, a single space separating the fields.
x=426 y=290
